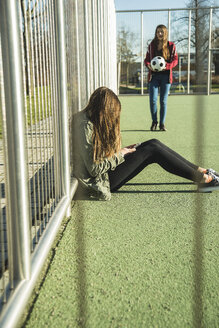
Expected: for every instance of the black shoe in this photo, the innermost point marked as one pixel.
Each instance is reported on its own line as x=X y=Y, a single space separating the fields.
x=154 y=126
x=210 y=186
x=211 y=171
x=162 y=127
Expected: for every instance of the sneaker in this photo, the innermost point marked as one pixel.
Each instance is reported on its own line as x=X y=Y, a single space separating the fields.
x=210 y=186
x=162 y=127
x=154 y=126
x=211 y=171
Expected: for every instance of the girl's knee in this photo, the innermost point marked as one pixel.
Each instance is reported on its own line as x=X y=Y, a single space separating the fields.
x=154 y=141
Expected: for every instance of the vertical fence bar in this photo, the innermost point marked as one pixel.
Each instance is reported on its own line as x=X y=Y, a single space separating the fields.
x=169 y=24
x=102 y=44
x=3 y=246
x=78 y=54
x=51 y=102
x=87 y=48
x=118 y=76
x=44 y=91
x=40 y=113
x=91 y=46
x=48 y=111
x=209 y=54
x=3 y=214
x=94 y=48
x=142 y=54
x=17 y=163
x=62 y=97
x=37 y=184
x=107 y=49
x=106 y=43
x=55 y=119
x=30 y=58
x=99 y=43
x=97 y=70
x=113 y=47
x=189 y=50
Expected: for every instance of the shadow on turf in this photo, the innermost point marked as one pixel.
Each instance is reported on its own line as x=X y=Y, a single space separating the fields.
x=155 y=191
x=82 y=195
x=140 y=131
x=158 y=183
x=134 y=130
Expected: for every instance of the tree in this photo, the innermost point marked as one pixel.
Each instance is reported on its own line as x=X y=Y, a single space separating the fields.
x=199 y=34
x=125 y=49
x=34 y=38
x=200 y=26
x=27 y=11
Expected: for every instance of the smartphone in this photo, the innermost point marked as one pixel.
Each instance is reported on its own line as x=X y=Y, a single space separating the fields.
x=137 y=145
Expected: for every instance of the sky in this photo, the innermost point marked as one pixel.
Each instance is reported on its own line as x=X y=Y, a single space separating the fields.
x=146 y=4
x=156 y=4
x=132 y=21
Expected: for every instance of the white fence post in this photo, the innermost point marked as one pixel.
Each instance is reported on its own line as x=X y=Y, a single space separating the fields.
x=189 y=52
x=17 y=193
x=62 y=98
x=142 y=53
x=209 y=54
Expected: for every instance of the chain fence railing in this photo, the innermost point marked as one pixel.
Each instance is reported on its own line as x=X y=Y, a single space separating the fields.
x=53 y=55
x=195 y=32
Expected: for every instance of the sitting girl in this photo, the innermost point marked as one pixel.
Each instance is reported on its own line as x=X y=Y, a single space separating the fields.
x=102 y=166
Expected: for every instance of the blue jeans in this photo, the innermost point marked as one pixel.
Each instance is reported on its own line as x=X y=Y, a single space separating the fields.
x=159 y=81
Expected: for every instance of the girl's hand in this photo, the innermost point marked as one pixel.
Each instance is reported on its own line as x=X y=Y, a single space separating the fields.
x=127 y=150
x=130 y=146
x=150 y=67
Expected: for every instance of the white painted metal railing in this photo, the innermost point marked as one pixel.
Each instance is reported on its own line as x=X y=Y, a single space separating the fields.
x=53 y=55
x=180 y=23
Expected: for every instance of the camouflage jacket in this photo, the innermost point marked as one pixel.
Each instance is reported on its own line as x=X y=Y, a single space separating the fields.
x=92 y=177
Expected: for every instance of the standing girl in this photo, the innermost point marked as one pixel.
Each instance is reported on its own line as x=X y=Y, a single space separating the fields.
x=160 y=46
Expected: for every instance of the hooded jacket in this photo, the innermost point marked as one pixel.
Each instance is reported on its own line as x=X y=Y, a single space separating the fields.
x=92 y=177
x=172 y=62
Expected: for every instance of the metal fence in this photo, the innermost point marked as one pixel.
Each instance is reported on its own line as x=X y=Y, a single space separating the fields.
x=53 y=54
x=195 y=32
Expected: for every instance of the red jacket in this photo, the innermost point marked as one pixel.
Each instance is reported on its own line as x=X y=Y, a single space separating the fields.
x=172 y=62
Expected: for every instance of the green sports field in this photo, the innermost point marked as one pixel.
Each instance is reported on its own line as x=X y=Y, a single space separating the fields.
x=150 y=256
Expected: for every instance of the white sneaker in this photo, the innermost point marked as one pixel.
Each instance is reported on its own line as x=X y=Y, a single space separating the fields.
x=209 y=186
x=211 y=171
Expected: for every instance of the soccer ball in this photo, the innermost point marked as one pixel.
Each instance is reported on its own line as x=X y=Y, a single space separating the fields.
x=158 y=63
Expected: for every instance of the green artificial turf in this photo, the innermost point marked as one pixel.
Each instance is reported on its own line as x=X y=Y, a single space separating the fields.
x=149 y=257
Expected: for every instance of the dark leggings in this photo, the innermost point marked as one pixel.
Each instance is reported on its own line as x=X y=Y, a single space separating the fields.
x=152 y=151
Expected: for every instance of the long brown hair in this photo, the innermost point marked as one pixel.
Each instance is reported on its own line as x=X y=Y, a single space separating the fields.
x=104 y=110
x=165 y=49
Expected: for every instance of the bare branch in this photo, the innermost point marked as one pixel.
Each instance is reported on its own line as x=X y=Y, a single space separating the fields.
x=34 y=6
